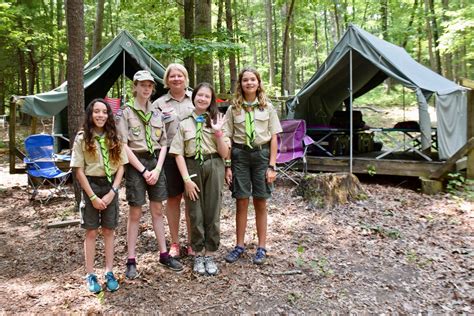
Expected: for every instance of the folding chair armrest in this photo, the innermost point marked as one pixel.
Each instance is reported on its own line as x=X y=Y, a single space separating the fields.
x=307 y=140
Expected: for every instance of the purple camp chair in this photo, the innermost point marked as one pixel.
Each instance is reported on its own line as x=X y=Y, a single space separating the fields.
x=292 y=146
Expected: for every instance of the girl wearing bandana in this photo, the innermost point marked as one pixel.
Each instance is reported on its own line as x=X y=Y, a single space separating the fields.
x=141 y=130
x=200 y=146
x=252 y=125
x=98 y=158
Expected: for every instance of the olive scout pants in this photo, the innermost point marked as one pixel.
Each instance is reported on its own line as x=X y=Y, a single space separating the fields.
x=205 y=212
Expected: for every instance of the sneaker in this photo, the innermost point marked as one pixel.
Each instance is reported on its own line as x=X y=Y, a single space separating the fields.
x=92 y=283
x=235 y=254
x=131 y=272
x=199 y=266
x=210 y=265
x=171 y=263
x=190 y=251
x=174 y=250
x=260 y=256
x=111 y=282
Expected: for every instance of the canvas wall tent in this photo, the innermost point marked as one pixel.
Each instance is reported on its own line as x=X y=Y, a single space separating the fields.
x=123 y=55
x=362 y=61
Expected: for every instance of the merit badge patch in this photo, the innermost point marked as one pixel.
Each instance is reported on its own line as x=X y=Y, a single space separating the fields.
x=136 y=131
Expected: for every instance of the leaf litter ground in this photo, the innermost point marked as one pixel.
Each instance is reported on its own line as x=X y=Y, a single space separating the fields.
x=395 y=251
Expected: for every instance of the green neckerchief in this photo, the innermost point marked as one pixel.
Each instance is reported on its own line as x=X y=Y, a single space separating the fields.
x=250 y=122
x=200 y=120
x=105 y=156
x=145 y=118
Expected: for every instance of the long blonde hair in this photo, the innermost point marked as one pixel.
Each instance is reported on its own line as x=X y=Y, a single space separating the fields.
x=239 y=94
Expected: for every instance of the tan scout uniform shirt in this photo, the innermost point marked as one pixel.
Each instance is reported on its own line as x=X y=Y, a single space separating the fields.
x=174 y=112
x=131 y=129
x=93 y=164
x=184 y=143
x=266 y=124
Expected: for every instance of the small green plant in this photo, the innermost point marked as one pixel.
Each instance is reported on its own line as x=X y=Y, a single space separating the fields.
x=3 y=144
x=411 y=256
x=371 y=170
x=300 y=260
x=381 y=231
x=293 y=297
x=459 y=186
x=321 y=267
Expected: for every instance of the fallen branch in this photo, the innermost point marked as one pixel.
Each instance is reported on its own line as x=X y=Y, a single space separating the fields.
x=290 y=272
x=69 y=222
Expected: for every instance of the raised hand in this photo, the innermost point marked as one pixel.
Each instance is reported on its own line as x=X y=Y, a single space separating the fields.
x=220 y=121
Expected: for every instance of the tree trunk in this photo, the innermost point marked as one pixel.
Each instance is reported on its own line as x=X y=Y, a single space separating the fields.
x=59 y=21
x=448 y=67
x=230 y=30
x=270 y=50
x=203 y=29
x=284 y=58
x=292 y=66
x=98 y=27
x=252 y=40
x=430 y=36
x=75 y=74
x=220 y=16
x=326 y=36
x=434 y=25
x=316 y=41
x=410 y=23
x=336 y=22
x=22 y=70
x=275 y=42
x=384 y=18
x=188 y=35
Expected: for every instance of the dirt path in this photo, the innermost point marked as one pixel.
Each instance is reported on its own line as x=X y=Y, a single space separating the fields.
x=397 y=251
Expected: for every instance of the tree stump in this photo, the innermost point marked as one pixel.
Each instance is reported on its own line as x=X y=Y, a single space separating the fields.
x=330 y=189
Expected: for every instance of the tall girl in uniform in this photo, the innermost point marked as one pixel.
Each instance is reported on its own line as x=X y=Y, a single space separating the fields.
x=200 y=146
x=141 y=130
x=176 y=105
x=98 y=158
x=252 y=125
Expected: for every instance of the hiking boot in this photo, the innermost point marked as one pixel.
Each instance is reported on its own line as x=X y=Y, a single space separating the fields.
x=174 y=250
x=131 y=272
x=111 y=282
x=235 y=254
x=171 y=263
x=199 y=266
x=92 y=283
x=210 y=265
x=260 y=256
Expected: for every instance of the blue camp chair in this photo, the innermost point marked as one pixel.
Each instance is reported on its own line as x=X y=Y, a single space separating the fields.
x=41 y=167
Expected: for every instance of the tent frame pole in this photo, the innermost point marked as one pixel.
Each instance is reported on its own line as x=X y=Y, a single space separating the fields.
x=123 y=79
x=351 y=131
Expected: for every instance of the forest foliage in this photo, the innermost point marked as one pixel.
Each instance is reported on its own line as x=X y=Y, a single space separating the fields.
x=33 y=37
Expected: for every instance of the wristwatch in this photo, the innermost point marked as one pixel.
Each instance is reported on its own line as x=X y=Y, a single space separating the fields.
x=272 y=167
x=116 y=190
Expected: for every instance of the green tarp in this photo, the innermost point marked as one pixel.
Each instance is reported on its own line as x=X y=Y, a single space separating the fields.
x=123 y=55
x=373 y=61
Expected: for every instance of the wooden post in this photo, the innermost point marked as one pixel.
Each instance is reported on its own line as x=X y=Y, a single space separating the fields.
x=12 y=134
x=470 y=124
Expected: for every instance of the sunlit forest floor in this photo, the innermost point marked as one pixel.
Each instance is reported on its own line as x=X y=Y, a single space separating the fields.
x=395 y=251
